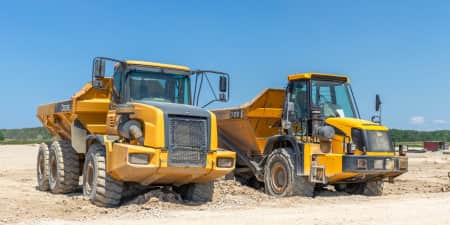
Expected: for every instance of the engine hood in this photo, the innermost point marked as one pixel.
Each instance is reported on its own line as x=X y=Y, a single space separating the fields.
x=171 y=110
x=348 y=123
x=178 y=109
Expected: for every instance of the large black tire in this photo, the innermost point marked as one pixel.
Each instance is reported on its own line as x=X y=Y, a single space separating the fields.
x=369 y=188
x=42 y=167
x=198 y=192
x=131 y=190
x=354 y=188
x=303 y=187
x=279 y=176
x=64 y=168
x=373 y=188
x=101 y=189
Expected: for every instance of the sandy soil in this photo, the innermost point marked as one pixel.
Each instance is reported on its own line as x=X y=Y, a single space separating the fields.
x=422 y=196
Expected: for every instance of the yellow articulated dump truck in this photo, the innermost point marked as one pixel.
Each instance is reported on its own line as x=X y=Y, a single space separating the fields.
x=140 y=127
x=310 y=135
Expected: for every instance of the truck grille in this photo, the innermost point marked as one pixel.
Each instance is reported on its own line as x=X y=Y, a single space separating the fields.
x=187 y=141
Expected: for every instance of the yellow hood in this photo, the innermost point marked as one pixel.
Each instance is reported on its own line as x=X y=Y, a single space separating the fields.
x=345 y=124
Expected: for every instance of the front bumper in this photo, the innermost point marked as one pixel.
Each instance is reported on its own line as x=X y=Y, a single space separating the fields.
x=345 y=168
x=157 y=171
x=374 y=164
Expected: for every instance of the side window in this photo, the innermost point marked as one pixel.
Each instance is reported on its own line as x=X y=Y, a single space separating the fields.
x=299 y=96
x=117 y=83
x=342 y=100
x=321 y=94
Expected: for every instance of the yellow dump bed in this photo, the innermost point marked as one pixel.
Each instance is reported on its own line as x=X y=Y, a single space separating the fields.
x=89 y=106
x=248 y=126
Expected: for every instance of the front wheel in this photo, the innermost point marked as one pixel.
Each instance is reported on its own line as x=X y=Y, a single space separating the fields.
x=369 y=188
x=280 y=178
x=373 y=188
x=198 y=192
x=99 y=186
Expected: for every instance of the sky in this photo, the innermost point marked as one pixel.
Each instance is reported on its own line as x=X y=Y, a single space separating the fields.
x=398 y=49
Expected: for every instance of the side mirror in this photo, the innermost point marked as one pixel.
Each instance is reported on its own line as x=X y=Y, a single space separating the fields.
x=377 y=103
x=377 y=118
x=223 y=89
x=223 y=84
x=98 y=72
x=99 y=68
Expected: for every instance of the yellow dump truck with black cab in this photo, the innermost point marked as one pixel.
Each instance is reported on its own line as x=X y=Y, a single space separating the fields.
x=310 y=135
x=141 y=126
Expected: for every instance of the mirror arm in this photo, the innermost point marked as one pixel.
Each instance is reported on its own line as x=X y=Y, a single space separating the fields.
x=103 y=58
x=210 y=86
x=209 y=103
x=96 y=59
x=199 y=84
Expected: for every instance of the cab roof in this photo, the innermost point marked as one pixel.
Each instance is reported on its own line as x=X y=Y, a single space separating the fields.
x=298 y=76
x=155 y=64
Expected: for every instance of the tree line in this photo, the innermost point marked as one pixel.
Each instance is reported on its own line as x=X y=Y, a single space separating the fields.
x=414 y=135
x=39 y=134
x=24 y=135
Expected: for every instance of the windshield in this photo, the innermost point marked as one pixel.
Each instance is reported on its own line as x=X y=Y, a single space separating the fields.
x=159 y=87
x=333 y=98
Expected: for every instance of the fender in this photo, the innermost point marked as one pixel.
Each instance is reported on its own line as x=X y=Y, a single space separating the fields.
x=81 y=139
x=278 y=141
x=92 y=138
x=78 y=137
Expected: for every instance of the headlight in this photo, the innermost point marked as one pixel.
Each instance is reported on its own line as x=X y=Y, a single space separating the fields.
x=378 y=164
x=390 y=164
x=225 y=162
x=357 y=138
x=139 y=158
x=361 y=164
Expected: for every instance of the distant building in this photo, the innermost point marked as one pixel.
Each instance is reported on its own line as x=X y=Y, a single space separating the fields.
x=435 y=145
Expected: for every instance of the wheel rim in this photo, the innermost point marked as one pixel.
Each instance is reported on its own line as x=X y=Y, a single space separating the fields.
x=89 y=177
x=53 y=168
x=279 y=178
x=41 y=166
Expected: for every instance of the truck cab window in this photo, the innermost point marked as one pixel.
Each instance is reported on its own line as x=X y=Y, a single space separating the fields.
x=333 y=98
x=159 y=87
x=299 y=96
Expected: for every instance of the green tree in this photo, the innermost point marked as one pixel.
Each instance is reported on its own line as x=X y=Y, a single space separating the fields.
x=1 y=136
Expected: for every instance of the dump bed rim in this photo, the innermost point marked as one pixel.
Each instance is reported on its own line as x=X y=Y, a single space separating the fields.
x=248 y=103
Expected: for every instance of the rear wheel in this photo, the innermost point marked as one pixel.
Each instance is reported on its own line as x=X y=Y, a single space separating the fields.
x=42 y=167
x=280 y=178
x=199 y=192
x=64 y=168
x=99 y=186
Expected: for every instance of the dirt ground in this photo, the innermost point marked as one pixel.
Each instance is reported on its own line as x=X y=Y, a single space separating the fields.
x=421 y=196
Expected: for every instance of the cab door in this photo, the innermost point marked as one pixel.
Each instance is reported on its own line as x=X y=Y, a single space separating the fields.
x=112 y=119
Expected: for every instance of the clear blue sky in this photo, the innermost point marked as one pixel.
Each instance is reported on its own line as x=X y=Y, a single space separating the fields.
x=399 y=49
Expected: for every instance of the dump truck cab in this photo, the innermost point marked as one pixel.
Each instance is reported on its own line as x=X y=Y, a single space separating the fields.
x=140 y=126
x=321 y=108
x=307 y=136
x=332 y=96
x=152 y=107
